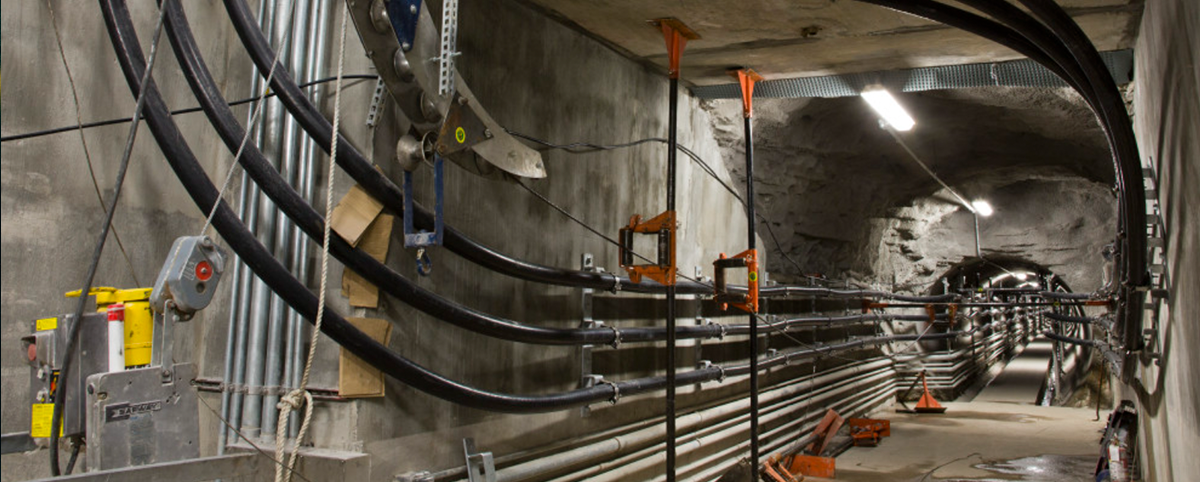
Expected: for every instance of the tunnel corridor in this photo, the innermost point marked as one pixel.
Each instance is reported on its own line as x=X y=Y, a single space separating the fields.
x=565 y=240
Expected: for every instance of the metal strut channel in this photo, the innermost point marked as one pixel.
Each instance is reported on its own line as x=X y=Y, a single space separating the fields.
x=449 y=48
x=401 y=39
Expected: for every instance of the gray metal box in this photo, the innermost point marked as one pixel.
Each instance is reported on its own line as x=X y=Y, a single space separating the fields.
x=91 y=356
x=141 y=417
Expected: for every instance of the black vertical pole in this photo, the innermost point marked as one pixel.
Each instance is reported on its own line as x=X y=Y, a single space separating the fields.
x=676 y=35
x=672 y=140
x=753 y=316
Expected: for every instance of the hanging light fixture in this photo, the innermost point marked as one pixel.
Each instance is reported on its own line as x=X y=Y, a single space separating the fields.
x=886 y=106
x=982 y=207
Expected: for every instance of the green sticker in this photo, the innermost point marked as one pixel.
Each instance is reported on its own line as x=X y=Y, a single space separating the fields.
x=753 y=276
x=460 y=135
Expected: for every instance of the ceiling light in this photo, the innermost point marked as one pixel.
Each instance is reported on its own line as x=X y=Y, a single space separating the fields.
x=1022 y=276
x=982 y=207
x=887 y=108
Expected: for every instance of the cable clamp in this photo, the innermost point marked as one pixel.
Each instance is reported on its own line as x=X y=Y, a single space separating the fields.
x=724 y=329
x=616 y=283
x=616 y=390
x=616 y=343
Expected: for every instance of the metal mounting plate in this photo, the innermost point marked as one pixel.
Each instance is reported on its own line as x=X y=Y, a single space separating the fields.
x=411 y=76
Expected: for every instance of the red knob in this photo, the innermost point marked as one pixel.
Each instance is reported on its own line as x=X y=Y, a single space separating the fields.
x=203 y=271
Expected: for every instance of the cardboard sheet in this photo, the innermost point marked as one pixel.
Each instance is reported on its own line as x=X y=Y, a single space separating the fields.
x=357 y=379
x=375 y=242
x=354 y=214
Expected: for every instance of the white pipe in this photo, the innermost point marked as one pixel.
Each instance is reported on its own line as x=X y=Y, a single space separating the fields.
x=617 y=444
x=623 y=471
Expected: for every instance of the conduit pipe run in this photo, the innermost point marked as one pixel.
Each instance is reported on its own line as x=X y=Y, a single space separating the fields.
x=307 y=219
x=592 y=453
x=737 y=429
x=298 y=296
x=361 y=170
x=174 y=146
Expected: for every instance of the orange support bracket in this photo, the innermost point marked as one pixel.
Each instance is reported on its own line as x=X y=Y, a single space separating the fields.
x=869 y=305
x=747 y=302
x=928 y=404
x=813 y=466
x=663 y=226
x=676 y=34
x=931 y=310
x=746 y=79
x=824 y=432
x=868 y=431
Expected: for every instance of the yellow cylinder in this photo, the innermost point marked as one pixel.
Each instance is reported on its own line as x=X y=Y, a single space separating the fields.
x=139 y=320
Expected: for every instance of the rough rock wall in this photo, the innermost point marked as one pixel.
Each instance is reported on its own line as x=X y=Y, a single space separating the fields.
x=846 y=201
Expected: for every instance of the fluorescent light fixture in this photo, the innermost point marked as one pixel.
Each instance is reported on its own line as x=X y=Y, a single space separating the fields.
x=887 y=108
x=982 y=207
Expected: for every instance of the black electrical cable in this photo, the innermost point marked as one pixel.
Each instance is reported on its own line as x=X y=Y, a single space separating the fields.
x=354 y=164
x=189 y=110
x=1074 y=341
x=74 y=457
x=1100 y=90
x=282 y=194
x=277 y=277
x=1071 y=319
x=207 y=92
x=1128 y=161
x=575 y=148
x=382 y=189
x=202 y=191
x=64 y=373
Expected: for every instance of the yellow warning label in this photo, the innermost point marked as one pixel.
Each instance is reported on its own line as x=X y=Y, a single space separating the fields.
x=460 y=135
x=39 y=420
x=46 y=324
x=753 y=276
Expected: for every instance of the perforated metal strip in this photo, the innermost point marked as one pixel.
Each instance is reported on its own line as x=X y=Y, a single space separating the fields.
x=1015 y=73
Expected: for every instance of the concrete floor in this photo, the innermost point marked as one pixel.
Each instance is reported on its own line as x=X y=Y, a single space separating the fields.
x=981 y=441
x=1021 y=380
x=1001 y=434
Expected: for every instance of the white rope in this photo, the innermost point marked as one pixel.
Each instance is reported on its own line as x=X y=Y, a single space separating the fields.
x=292 y=401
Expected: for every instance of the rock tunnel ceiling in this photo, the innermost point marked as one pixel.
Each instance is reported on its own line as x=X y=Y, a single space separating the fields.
x=844 y=199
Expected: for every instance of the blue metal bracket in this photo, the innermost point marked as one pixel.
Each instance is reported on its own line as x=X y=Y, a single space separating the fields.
x=420 y=239
x=404 y=14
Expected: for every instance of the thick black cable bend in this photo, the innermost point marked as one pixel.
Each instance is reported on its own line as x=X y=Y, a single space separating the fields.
x=297 y=296
x=1129 y=168
x=285 y=197
x=359 y=168
x=231 y=131
x=204 y=194
x=981 y=26
x=1098 y=88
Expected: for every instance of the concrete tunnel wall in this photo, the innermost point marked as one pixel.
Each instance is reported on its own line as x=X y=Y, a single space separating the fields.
x=1166 y=113
x=535 y=76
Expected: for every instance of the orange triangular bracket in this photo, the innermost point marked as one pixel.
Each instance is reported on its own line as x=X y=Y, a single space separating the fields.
x=676 y=35
x=746 y=79
x=927 y=404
